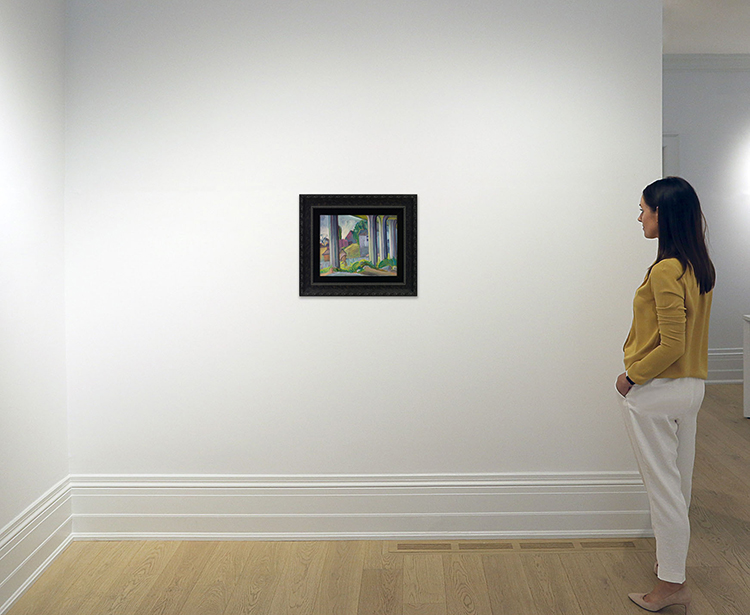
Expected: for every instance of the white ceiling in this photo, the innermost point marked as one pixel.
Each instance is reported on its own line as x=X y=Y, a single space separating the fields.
x=707 y=26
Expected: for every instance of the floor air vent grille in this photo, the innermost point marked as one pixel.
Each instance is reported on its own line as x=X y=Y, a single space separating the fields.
x=522 y=546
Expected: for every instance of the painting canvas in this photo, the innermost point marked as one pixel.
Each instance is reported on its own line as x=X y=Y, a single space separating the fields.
x=358 y=245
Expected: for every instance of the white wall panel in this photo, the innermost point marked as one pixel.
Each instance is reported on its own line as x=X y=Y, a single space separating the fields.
x=35 y=511
x=527 y=131
x=33 y=422
x=707 y=103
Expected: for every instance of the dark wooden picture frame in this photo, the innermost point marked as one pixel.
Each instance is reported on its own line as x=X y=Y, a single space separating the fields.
x=371 y=252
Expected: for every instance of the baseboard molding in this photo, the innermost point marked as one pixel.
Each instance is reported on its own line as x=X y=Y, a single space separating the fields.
x=33 y=540
x=725 y=366
x=706 y=61
x=359 y=507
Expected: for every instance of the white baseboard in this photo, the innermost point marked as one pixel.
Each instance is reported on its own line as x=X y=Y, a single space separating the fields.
x=359 y=507
x=32 y=541
x=725 y=366
x=707 y=61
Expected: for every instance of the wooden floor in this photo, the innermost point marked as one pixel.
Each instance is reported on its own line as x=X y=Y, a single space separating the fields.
x=555 y=577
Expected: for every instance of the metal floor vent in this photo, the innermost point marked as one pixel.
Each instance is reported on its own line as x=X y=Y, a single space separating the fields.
x=522 y=546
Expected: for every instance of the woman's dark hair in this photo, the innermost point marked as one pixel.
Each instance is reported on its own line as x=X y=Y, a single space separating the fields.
x=682 y=228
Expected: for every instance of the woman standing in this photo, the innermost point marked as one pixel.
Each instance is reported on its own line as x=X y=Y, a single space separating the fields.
x=666 y=362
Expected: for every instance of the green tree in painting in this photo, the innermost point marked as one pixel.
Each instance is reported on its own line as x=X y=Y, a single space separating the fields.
x=359 y=228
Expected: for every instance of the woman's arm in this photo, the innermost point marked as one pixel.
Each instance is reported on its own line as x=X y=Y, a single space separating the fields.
x=669 y=294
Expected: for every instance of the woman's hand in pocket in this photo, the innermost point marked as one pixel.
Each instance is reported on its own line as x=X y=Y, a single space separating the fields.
x=622 y=385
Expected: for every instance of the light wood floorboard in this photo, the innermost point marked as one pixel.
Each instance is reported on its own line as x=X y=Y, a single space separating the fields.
x=376 y=578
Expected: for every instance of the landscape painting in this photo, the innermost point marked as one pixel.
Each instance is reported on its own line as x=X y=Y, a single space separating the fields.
x=364 y=245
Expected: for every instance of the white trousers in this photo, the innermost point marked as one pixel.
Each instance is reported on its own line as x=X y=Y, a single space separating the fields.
x=661 y=417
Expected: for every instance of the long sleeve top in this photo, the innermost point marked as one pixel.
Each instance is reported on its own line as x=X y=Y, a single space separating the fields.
x=669 y=334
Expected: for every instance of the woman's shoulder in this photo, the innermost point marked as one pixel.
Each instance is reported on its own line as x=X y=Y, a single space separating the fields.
x=670 y=274
x=668 y=271
x=669 y=267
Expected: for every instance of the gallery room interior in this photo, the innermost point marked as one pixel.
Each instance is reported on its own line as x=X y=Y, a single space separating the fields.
x=163 y=379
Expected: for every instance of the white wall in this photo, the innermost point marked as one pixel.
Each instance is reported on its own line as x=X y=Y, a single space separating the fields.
x=33 y=424
x=35 y=511
x=707 y=104
x=527 y=131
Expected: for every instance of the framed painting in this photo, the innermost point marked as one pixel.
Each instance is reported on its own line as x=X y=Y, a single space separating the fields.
x=358 y=245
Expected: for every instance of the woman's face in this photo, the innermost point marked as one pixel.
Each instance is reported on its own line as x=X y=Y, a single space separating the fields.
x=649 y=218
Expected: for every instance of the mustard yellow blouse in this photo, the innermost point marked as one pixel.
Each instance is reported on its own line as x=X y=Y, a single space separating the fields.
x=669 y=334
